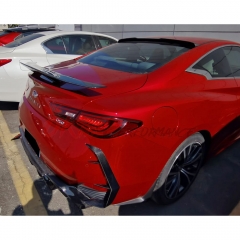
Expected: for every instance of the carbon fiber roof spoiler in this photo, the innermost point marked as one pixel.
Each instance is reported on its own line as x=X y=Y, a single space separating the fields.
x=60 y=77
x=160 y=40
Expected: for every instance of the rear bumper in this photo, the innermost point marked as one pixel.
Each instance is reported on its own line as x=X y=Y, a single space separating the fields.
x=12 y=81
x=79 y=194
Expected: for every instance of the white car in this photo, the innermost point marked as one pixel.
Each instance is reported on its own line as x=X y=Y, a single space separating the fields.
x=44 y=48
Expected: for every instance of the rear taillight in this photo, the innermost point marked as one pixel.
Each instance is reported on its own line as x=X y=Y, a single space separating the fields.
x=4 y=61
x=96 y=125
x=63 y=115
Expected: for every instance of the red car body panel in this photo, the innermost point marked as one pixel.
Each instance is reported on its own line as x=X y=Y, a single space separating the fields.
x=171 y=103
x=9 y=37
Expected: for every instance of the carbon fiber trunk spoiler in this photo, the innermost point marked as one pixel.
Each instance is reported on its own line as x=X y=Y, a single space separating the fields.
x=60 y=77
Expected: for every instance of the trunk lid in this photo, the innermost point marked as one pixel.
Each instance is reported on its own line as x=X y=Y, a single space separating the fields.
x=6 y=50
x=41 y=92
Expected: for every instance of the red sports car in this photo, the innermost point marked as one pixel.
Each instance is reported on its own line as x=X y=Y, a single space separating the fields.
x=11 y=34
x=7 y=37
x=133 y=120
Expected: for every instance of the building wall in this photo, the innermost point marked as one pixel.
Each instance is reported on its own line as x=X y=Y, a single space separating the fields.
x=3 y=26
x=229 y=32
x=65 y=27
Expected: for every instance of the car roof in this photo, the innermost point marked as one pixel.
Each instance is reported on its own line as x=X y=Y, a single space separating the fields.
x=45 y=36
x=194 y=40
x=24 y=29
x=57 y=33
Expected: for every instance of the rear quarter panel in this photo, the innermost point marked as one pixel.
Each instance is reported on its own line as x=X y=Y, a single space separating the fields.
x=172 y=106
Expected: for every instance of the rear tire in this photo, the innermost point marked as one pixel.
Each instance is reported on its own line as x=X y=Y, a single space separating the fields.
x=180 y=171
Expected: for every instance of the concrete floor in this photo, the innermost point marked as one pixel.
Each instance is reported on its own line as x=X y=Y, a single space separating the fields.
x=216 y=191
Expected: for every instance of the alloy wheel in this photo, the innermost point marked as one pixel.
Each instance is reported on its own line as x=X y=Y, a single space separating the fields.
x=184 y=170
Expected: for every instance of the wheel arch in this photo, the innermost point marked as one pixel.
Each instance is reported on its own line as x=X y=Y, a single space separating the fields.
x=208 y=138
x=163 y=174
x=200 y=137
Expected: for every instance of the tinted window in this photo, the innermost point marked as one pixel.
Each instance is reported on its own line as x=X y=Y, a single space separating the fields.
x=55 y=45
x=19 y=36
x=135 y=56
x=24 y=35
x=78 y=44
x=223 y=62
x=3 y=33
x=104 y=41
x=233 y=57
x=21 y=41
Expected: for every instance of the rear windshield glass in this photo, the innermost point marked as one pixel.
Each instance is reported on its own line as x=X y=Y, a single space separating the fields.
x=21 y=41
x=134 y=57
x=3 y=33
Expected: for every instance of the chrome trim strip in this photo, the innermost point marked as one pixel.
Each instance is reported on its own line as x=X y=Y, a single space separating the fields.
x=60 y=77
x=204 y=73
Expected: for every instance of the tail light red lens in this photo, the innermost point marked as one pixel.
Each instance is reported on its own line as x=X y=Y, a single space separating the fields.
x=93 y=124
x=100 y=126
x=64 y=112
x=96 y=124
x=64 y=115
x=4 y=61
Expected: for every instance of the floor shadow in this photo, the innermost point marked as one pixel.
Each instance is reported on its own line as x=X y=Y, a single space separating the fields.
x=46 y=195
x=9 y=105
x=216 y=190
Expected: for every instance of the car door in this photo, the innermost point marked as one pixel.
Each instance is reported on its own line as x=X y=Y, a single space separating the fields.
x=223 y=93
x=67 y=47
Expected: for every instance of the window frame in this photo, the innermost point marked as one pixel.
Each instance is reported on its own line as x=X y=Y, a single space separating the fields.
x=97 y=43
x=205 y=73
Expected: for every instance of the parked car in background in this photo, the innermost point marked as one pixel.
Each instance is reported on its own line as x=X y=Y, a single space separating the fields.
x=11 y=34
x=43 y=48
x=133 y=120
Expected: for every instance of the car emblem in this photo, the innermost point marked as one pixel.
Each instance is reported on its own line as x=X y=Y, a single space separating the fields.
x=34 y=94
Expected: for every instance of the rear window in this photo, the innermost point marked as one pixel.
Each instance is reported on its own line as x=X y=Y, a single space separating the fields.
x=21 y=41
x=22 y=35
x=3 y=33
x=134 y=57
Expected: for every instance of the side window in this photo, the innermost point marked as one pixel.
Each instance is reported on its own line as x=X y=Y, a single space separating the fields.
x=55 y=45
x=78 y=44
x=220 y=63
x=104 y=41
x=233 y=57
